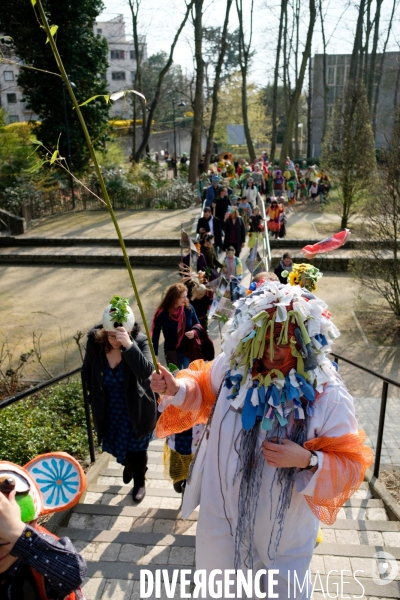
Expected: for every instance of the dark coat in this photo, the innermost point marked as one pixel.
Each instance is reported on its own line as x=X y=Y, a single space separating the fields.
x=240 y=232
x=205 y=224
x=137 y=367
x=222 y=205
x=278 y=272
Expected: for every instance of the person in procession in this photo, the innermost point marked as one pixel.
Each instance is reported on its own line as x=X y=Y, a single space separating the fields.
x=235 y=231
x=116 y=370
x=283 y=450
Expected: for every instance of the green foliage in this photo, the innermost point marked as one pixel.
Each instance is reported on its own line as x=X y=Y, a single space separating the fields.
x=85 y=58
x=16 y=157
x=230 y=110
x=149 y=174
x=174 y=84
x=49 y=421
x=348 y=151
x=180 y=195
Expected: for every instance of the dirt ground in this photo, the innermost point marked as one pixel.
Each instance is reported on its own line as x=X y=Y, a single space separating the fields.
x=57 y=302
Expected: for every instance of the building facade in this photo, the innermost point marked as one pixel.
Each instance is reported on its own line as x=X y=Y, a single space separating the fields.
x=10 y=94
x=122 y=62
x=338 y=68
x=120 y=72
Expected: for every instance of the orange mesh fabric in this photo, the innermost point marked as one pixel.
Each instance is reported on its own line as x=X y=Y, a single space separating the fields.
x=346 y=459
x=198 y=402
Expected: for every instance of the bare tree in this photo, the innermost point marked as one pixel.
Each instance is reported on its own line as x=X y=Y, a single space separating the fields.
x=195 y=147
x=379 y=71
x=216 y=84
x=276 y=78
x=356 y=56
x=299 y=85
x=163 y=72
x=379 y=265
x=324 y=69
x=244 y=62
x=134 y=6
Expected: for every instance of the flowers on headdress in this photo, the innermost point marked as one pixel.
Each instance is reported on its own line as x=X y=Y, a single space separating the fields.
x=303 y=274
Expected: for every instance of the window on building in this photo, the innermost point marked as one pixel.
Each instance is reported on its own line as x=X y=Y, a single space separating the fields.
x=338 y=92
x=118 y=75
x=330 y=97
x=117 y=54
x=12 y=118
x=330 y=112
x=12 y=98
x=8 y=75
x=340 y=75
x=331 y=75
x=132 y=55
x=99 y=31
x=133 y=75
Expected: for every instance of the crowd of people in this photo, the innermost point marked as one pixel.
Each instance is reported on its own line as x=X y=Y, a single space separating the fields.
x=230 y=182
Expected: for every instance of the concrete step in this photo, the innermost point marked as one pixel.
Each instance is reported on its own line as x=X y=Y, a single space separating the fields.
x=124 y=490
x=93 y=255
x=128 y=537
x=131 y=511
x=41 y=242
x=366 y=525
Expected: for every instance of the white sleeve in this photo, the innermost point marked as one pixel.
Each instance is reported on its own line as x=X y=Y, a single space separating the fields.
x=176 y=400
x=334 y=416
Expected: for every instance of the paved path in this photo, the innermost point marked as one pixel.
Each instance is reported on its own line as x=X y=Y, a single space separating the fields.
x=119 y=538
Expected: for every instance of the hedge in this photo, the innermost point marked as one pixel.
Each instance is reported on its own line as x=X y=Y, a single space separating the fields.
x=46 y=422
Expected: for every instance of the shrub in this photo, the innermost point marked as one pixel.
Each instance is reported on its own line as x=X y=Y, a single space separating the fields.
x=52 y=420
x=180 y=195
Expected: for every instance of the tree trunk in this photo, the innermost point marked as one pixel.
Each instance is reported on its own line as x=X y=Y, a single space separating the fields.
x=246 y=127
x=296 y=73
x=137 y=84
x=198 y=96
x=372 y=63
x=244 y=60
x=380 y=70
x=217 y=78
x=324 y=71
x=163 y=72
x=299 y=86
x=357 y=46
x=275 y=88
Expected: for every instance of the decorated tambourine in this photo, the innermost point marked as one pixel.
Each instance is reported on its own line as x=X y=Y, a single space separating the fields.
x=47 y=484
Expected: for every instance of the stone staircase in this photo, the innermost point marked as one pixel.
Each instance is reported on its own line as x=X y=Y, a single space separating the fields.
x=118 y=538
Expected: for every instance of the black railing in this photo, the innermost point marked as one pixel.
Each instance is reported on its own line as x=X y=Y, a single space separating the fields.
x=59 y=202
x=49 y=383
x=386 y=381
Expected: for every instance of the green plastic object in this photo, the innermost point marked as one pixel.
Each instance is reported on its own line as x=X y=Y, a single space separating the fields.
x=172 y=368
x=27 y=507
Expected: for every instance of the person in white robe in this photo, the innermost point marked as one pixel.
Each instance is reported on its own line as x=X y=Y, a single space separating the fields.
x=283 y=451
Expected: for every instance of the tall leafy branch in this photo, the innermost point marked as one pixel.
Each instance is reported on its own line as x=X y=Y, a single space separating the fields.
x=45 y=25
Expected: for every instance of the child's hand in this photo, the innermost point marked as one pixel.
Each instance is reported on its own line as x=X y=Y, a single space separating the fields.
x=11 y=526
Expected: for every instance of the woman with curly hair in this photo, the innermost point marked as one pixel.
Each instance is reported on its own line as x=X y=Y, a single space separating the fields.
x=175 y=317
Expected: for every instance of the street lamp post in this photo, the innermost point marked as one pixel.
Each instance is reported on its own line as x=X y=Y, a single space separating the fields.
x=181 y=103
x=301 y=138
x=69 y=158
x=175 y=157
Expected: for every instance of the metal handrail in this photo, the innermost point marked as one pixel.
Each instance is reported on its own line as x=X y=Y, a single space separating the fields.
x=49 y=383
x=265 y=244
x=386 y=381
